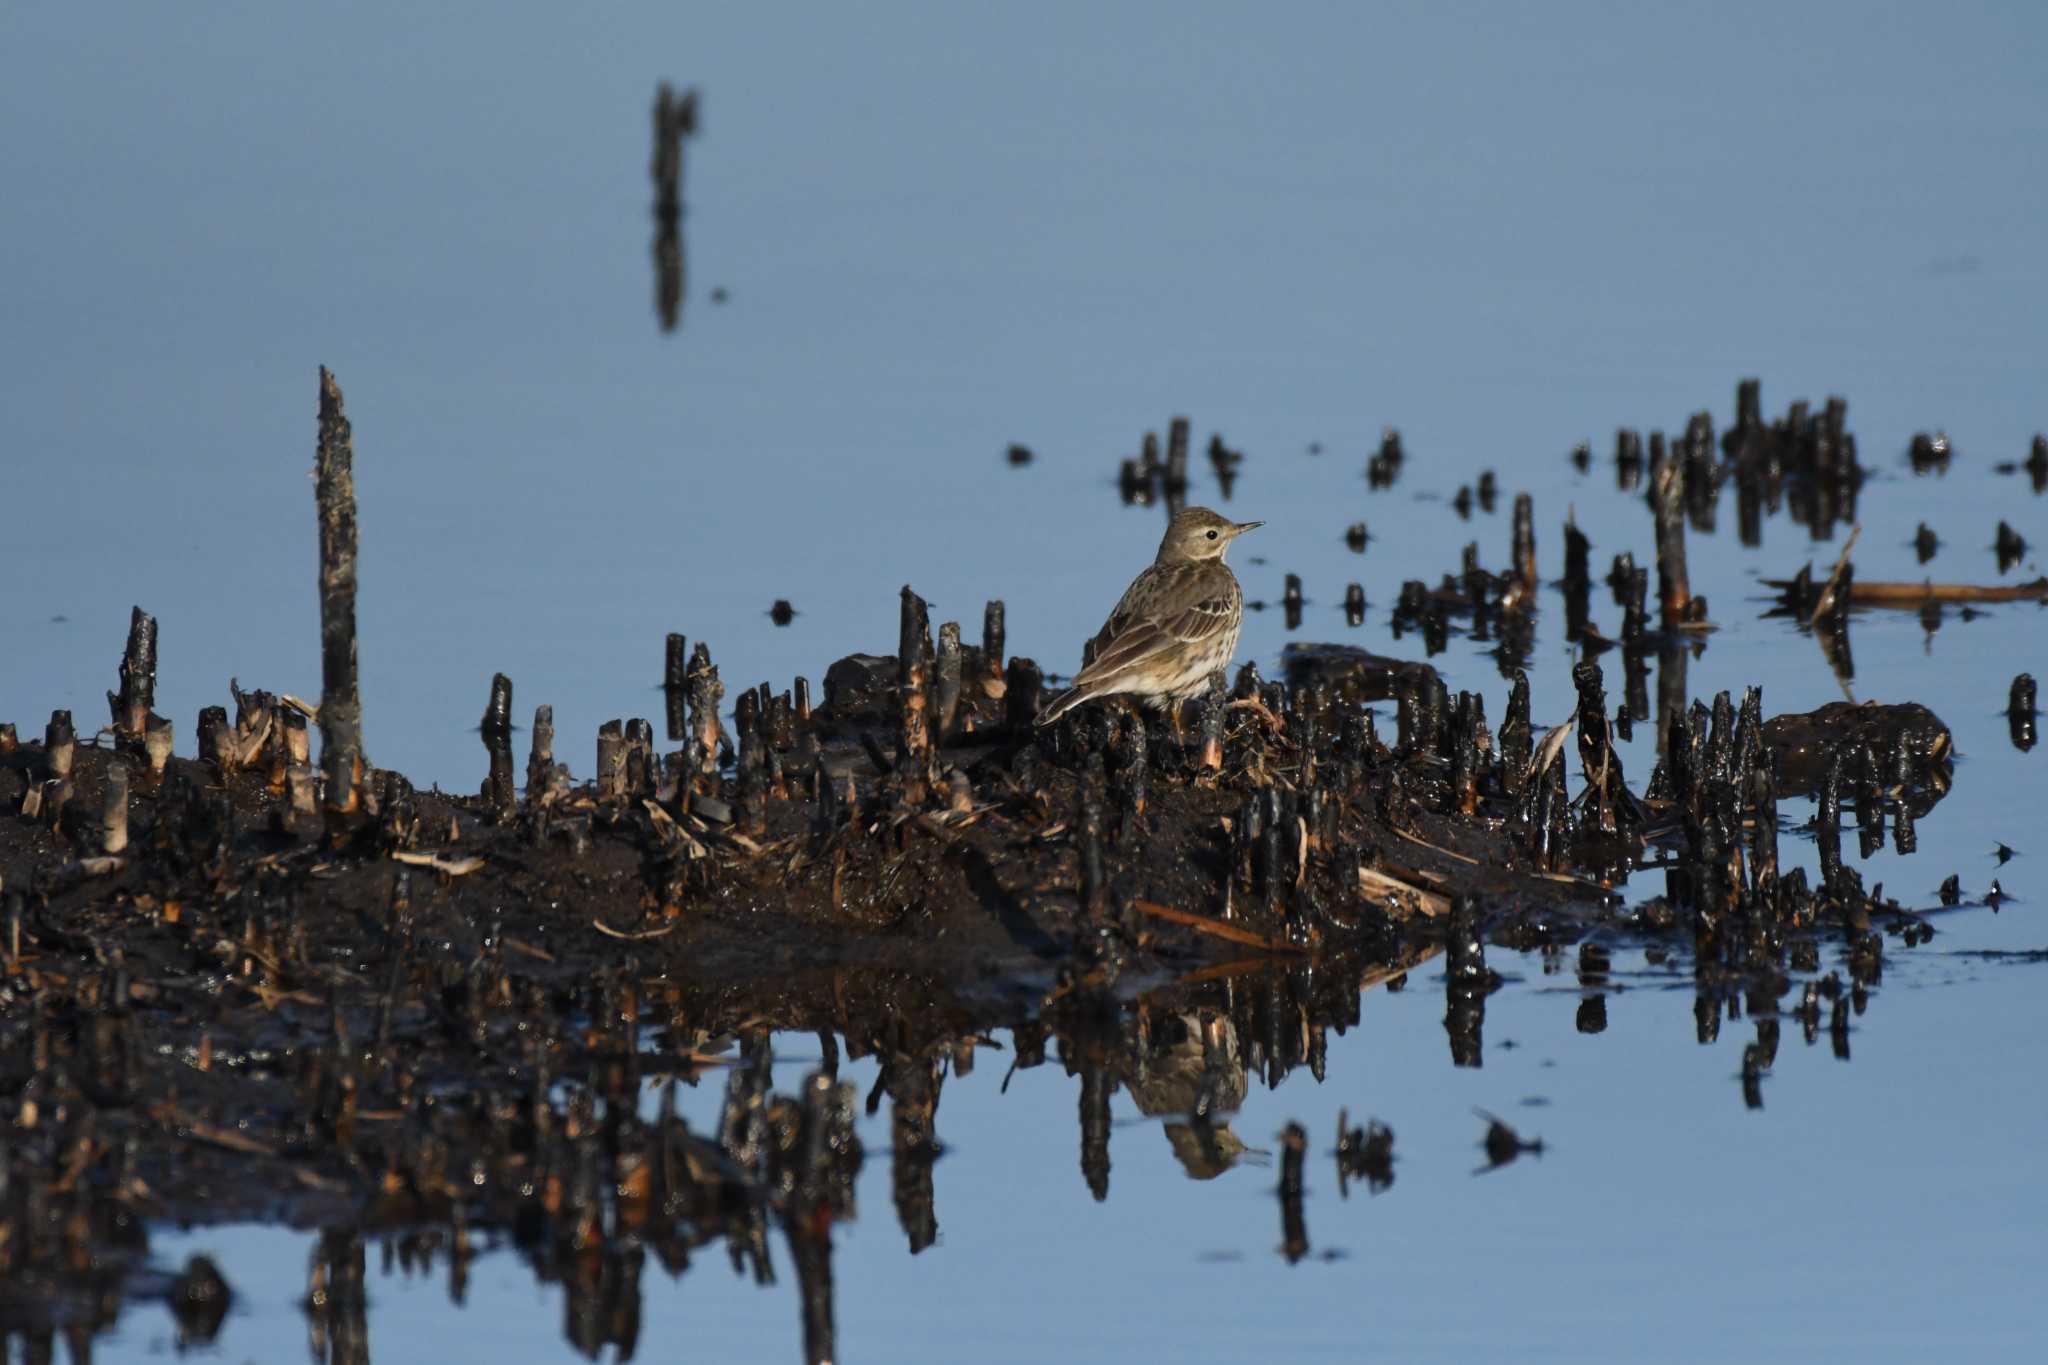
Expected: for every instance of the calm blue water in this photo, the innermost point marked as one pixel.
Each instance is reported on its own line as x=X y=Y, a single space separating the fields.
x=943 y=231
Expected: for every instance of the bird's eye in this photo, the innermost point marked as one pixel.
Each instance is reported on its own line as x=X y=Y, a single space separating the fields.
x=1212 y=535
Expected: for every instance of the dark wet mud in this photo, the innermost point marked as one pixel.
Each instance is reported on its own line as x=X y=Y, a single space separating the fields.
x=242 y=987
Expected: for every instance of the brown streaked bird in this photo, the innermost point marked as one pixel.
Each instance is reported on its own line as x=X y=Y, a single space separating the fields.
x=1176 y=624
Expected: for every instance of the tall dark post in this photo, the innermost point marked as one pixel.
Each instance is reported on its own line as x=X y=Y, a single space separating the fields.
x=341 y=703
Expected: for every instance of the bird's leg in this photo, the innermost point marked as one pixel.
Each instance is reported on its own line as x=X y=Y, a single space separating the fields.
x=1176 y=710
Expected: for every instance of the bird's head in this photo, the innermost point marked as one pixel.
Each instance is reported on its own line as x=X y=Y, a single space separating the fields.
x=1196 y=533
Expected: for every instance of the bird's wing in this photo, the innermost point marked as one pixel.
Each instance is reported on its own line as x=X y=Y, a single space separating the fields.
x=1138 y=630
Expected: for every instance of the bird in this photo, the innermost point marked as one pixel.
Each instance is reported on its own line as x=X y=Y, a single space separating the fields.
x=1175 y=625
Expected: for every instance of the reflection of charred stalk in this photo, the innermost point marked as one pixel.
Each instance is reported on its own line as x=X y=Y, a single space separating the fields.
x=1293 y=1222
x=1628 y=459
x=1578 y=580
x=1354 y=604
x=1632 y=588
x=2009 y=546
x=1095 y=1092
x=1749 y=410
x=706 y=692
x=1094 y=872
x=132 y=704
x=674 y=119
x=341 y=703
x=2020 y=712
x=915 y=759
x=1291 y=601
x=541 y=757
x=114 y=809
x=1701 y=486
x=949 y=679
x=1176 y=462
x=1366 y=1153
x=1023 y=687
x=913 y=1086
x=336 y=1306
x=675 y=686
x=1667 y=504
x=810 y=1247
x=1523 y=555
x=992 y=641
x=1224 y=461
x=1466 y=982
x=1706 y=1014
x=1673 y=665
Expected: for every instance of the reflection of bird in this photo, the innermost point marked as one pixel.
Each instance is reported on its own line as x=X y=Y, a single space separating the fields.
x=1190 y=1072
x=1176 y=624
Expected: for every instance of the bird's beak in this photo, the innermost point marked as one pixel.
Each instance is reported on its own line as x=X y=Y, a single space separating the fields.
x=1244 y=526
